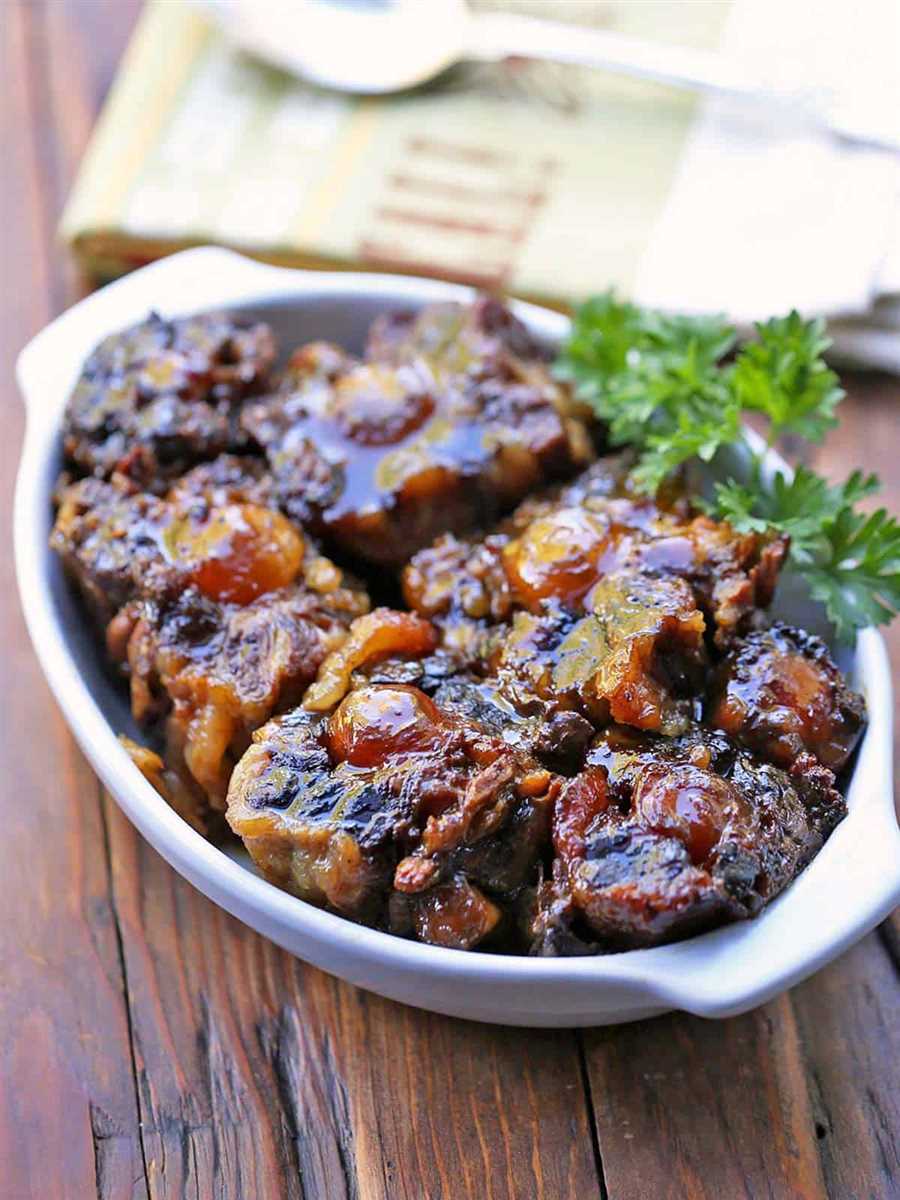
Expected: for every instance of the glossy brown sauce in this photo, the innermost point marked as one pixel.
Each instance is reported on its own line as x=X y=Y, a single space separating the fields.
x=689 y=803
x=237 y=553
x=371 y=725
x=405 y=457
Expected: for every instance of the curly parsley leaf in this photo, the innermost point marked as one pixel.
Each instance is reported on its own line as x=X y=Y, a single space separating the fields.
x=603 y=332
x=800 y=507
x=695 y=429
x=660 y=384
x=850 y=560
x=613 y=342
x=655 y=379
x=783 y=375
x=859 y=580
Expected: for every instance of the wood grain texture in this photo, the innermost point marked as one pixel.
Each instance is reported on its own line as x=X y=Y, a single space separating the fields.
x=68 y=1105
x=258 y=1075
x=225 y=1066
x=687 y=1107
x=151 y=1046
x=848 y=1021
x=798 y=1099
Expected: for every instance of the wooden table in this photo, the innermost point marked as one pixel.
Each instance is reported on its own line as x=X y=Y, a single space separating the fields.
x=152 y=1046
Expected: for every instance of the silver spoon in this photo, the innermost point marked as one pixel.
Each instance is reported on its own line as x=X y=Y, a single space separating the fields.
x=373 y=47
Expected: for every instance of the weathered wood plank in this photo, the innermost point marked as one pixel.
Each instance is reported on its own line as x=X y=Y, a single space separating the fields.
x=68 y=1111
x=261 y=1076
x=705 y=1109
x=452 y=1108
x=200 y=988
x=848 y=1018
x=797 y=1099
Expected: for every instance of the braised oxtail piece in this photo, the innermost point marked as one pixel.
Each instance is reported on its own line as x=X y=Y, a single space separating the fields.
x=554 y=552
x=108 y=537
x=214 y=528
x=422 y=437
x=396 y=812
x=637 y=656
x=659 y=838
x=455 y=338
x=779 y=692
x=217 y=608
x=209 y=673
x=164 y=395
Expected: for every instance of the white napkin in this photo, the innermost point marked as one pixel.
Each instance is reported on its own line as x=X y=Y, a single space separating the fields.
x=764 y=216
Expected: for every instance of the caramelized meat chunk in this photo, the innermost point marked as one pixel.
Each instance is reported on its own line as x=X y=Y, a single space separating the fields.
x=218 y=608
x=551 y=549
x=213 y=670
x=779 y=693
x=163 y=395
x=322 y=832
x=562 y=556
x=639 y=655
x=395 y=810
x=733 y=574
x=553 y=553
x=119 y=544
x=227 y=479
x=108 y=538
x=660 y=838
x=378 y=635
x=596 y=601
x=454 y=577
x=383 y=455
x=454 y=338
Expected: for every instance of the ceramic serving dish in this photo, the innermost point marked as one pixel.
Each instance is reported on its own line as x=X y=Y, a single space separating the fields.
x=851 y=886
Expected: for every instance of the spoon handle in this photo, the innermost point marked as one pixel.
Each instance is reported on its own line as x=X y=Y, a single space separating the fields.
x=496 y=36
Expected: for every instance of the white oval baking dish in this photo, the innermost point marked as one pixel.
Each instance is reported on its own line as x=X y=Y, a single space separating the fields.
x=851 y=886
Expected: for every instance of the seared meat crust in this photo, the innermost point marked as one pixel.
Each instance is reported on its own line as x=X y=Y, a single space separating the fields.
x=108 y=538
x=637 y=657
x=660 y=838
x=394 y=811
x=163 y=395
x=213 y=529
x=212 y=672
x=431 y=435
x=215 y=606
x=552 y=553
x=454 y=337
x=779 y=692
x=596 y=601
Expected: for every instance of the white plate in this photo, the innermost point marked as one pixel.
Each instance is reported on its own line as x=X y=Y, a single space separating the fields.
x=850 y=886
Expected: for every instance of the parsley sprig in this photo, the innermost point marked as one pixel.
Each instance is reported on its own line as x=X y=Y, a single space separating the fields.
x=661 y=384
